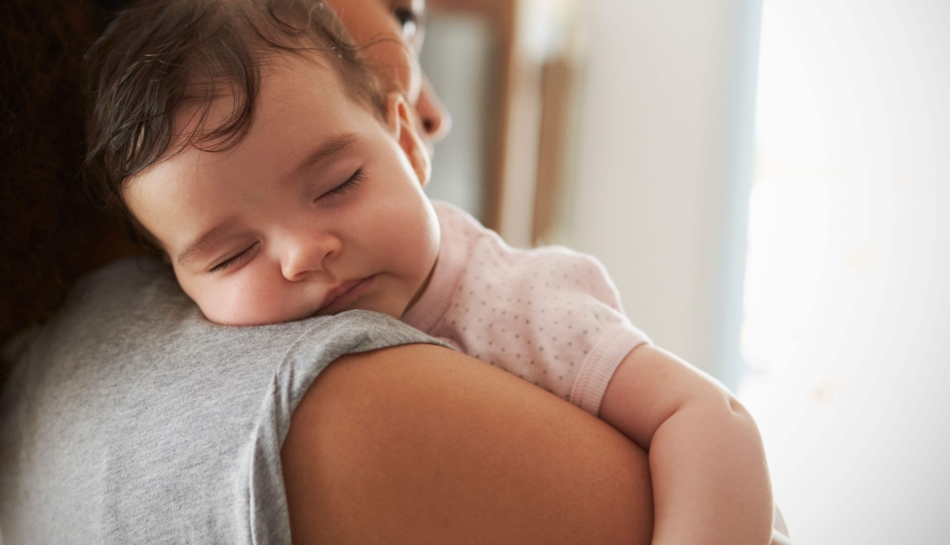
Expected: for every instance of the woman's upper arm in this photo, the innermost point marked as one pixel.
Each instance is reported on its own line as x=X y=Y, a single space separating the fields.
x=419 y=444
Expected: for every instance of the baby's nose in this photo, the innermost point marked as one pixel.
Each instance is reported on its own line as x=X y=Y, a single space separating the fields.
x=307 y=254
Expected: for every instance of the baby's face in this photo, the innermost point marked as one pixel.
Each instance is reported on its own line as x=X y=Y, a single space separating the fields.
x=318 y=210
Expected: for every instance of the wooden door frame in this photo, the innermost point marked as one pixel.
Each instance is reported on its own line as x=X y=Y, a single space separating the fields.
x=502 y=17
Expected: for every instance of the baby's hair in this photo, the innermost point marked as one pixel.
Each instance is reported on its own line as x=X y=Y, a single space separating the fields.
x=160 y=56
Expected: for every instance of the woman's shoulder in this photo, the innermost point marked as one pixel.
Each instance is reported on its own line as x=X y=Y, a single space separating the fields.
x=129 y=372
x=128 y=277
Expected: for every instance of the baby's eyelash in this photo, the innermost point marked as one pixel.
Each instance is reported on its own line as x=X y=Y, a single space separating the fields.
x=345 y=187
x=230 y=262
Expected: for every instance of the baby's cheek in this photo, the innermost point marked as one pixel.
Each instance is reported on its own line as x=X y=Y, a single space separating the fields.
x=199 y=292
x=246 y=302
x=225 y=305
x=230 y=302
x=418 y=234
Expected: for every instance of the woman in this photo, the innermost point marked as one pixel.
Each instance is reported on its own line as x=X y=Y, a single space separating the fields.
x=128 y=418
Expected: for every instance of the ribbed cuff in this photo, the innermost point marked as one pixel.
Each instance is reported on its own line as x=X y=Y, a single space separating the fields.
x=601 y=364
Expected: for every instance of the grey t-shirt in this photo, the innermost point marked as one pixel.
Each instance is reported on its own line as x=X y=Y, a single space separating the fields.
x=129 y=418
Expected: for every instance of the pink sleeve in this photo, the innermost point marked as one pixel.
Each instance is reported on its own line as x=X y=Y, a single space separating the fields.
x=550 y=316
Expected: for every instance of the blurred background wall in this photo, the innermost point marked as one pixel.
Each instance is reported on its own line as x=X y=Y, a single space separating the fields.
x=847 y=299
x=768 y=182
x=664 y=169
x=652 y=162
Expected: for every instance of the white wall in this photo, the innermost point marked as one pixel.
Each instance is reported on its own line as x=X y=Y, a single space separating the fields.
x=458 y=65
x=664 y=163
x=848 y=301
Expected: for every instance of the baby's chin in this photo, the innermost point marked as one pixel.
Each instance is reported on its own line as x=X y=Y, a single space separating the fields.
x=245 y=319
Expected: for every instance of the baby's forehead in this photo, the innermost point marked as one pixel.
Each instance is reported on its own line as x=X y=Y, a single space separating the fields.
x=283 y=80
x=300 y=106
x=298 y=98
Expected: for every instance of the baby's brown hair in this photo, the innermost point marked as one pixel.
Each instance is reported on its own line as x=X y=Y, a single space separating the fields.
x=160 y=56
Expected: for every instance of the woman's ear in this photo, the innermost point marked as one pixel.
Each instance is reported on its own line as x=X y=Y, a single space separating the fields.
x=402 y=125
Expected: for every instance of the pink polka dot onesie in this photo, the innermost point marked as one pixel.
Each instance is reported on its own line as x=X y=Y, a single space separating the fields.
x=550 y=315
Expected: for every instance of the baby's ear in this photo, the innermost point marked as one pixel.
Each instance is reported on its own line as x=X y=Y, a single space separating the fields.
x=401 y=123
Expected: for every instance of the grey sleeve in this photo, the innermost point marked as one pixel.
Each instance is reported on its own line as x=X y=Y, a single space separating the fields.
x=351 y=332
x=129 y=418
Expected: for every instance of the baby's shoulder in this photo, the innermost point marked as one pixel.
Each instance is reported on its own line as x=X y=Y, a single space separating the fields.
x=492 y=266
x=487 y=248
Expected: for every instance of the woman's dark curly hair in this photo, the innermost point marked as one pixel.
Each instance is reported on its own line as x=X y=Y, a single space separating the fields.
x=50 y=233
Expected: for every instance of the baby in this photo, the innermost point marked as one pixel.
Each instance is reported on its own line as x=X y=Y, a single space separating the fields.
x=252 y=147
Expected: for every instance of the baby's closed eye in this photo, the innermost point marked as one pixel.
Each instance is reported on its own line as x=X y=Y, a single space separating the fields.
x=246 y=254
x=351 y=183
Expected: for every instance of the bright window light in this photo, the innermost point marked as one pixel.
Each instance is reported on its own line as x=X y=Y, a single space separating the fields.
x=847 y=297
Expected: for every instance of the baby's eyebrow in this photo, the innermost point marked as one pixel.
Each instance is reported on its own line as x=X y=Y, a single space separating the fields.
x=331 y=147
x=195 y=247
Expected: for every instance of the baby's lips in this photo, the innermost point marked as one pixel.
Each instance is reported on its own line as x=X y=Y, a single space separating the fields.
x=343 y=291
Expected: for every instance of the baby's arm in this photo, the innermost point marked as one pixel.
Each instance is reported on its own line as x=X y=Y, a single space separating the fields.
x=710 y=479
